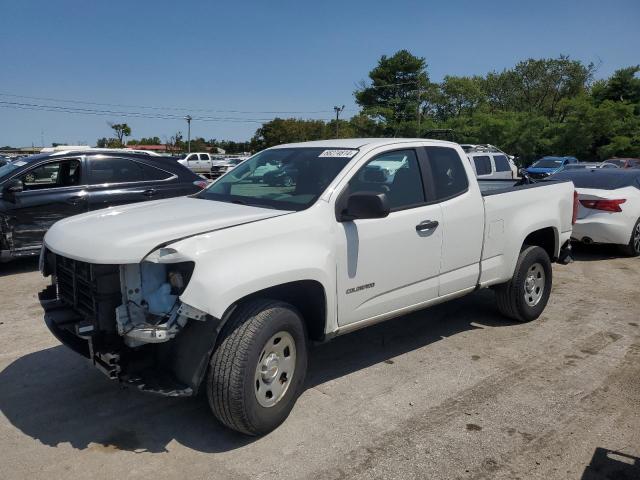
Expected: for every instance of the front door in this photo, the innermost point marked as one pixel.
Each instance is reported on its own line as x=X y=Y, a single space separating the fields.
x=387 y=264
x=51 y=191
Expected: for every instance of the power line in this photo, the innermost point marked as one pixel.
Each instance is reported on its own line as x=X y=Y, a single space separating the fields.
x=181 y=109
x=88 y=111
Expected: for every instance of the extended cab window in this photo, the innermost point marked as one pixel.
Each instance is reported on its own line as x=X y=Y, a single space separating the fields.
x=483 y=165
x=65 y=173
x=204 y=156
x=395 y=173
x=449 y=175
x=115 y=170
x=502 y=163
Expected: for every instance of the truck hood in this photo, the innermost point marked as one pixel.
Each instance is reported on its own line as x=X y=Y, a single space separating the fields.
x=126 y=234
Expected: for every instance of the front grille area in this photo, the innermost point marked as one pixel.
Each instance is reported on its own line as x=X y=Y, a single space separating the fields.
x=92 y=290
x=75 y=285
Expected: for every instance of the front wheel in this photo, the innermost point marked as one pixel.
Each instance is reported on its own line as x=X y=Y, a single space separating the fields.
x=258 y=368
x=524 y=297
x=632 y=249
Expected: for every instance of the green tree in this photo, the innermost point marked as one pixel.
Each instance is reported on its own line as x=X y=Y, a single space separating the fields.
x=281 y=130
x=121 y=130
x=399 y=88
x=622 y=86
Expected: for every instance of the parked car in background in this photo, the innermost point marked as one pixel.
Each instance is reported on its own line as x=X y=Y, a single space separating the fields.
x=223 y=291
x=625 y=162
x=41 y=189
x=497 y=163
x=588 y=165
x=221 y=167
x=198 y=162
x=609 y=206
x=548 y=166
x=490 y=165
x=4 y=161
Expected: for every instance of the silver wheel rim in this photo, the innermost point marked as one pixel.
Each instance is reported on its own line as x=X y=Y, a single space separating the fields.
x=275 y=369
x=636 y=238
x=534 y=284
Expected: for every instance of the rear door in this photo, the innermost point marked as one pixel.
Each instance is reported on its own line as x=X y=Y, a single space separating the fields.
x=388 y=264
x=53 y=190
x=165 y=184
x=117 y=181
x=462 y=219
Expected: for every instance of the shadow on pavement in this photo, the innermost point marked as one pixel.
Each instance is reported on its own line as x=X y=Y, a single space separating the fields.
x=592 y=253
x=19 y=265
x=611 y=465
x=54 y=396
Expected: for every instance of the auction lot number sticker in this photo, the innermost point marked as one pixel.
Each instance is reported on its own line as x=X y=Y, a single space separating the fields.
x=338 y=153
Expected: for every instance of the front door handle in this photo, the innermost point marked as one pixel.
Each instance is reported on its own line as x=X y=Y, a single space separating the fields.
x=149 y=193
x=427 y=225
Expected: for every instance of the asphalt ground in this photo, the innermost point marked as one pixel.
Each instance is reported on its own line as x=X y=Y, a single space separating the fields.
x=451 y=392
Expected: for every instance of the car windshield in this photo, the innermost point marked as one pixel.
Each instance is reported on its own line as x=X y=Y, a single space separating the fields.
x=9 y=167
x=548 y=163
x=281 y=178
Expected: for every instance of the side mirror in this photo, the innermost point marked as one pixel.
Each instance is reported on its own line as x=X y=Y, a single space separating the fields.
x=11 y=188
x=362 y=205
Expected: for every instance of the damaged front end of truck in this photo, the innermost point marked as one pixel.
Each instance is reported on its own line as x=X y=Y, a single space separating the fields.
x=129 y=321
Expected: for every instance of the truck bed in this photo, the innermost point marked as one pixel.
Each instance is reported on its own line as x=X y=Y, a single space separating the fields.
x=494 y=187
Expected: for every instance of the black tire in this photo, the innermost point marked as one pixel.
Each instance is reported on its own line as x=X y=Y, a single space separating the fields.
x=511 y=296
x=632 y=249
x=231 y=380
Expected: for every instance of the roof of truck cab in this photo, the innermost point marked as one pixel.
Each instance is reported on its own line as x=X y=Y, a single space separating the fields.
x=359 y=142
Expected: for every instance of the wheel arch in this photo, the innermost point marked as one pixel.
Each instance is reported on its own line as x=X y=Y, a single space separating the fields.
x=546 y=238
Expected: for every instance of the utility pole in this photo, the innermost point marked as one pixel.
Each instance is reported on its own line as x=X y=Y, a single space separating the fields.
x=188 y=119
x=419 y=92
x=338 y=110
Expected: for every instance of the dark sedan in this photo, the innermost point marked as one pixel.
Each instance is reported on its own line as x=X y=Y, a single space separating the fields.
x=39 y=190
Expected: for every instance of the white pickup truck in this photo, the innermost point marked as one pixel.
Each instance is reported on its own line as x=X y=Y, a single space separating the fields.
x=224 y=290
x=200 y=162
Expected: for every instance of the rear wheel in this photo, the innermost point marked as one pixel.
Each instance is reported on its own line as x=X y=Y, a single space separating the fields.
x=524 y=297
x=258 y=368
x=633 y=248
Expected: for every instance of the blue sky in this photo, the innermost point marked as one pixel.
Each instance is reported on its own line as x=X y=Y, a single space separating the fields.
x=267 y=56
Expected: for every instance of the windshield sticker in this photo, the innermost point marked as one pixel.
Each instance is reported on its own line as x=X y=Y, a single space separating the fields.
x=19 y=163
x=338 y=153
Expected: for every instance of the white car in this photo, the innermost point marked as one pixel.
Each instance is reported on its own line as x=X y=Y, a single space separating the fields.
x=224 y=290
x=609 y=206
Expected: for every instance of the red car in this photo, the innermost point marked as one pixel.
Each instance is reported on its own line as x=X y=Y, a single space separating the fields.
x=625 y=162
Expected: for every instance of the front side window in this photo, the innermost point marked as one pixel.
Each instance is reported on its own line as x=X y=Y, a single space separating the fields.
x=281 y=178
x=449 y=175
x=65 y=173
x=502 y=163
x=483 y=165
x=115 y=170
x=395 y=173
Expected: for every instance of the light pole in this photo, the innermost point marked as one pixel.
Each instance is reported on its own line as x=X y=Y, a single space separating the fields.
x=338 y=110
x=188 y=119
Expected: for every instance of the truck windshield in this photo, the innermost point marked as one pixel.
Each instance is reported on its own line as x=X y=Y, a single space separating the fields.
x=282 y=178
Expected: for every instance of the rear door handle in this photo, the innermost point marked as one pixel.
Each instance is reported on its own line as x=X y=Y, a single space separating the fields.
x=149 y=193
x=427 y=225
